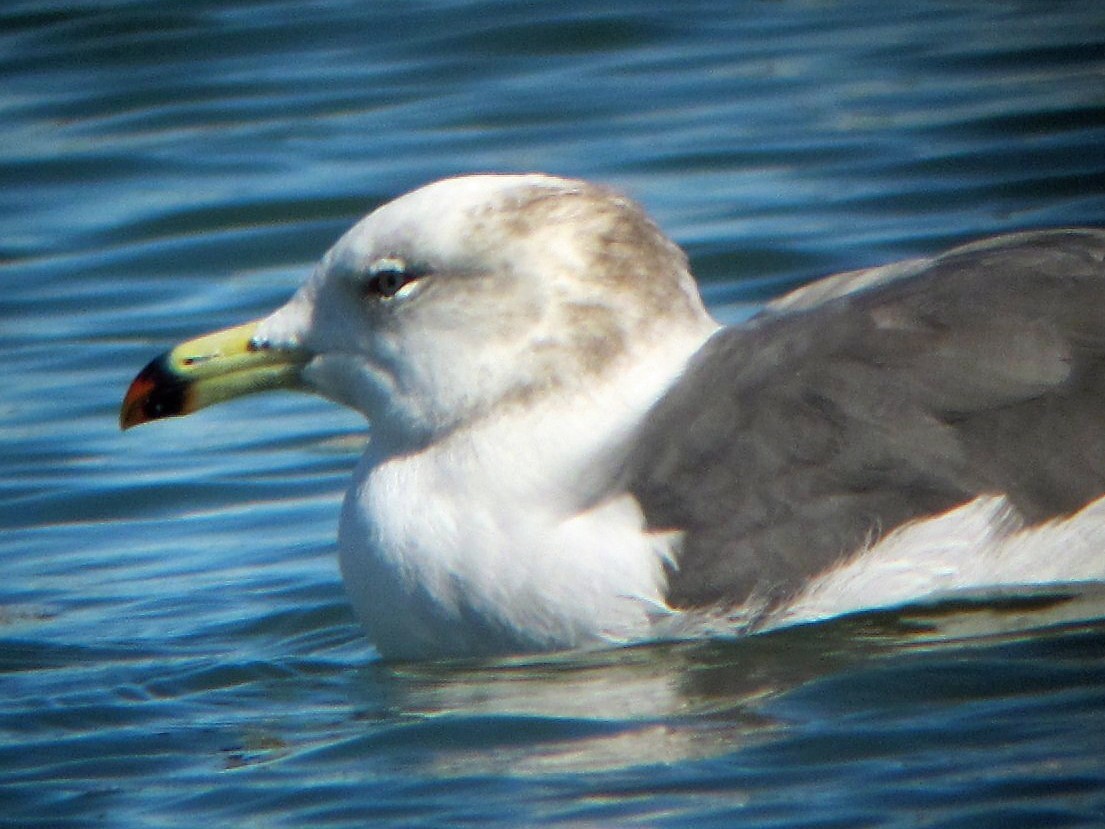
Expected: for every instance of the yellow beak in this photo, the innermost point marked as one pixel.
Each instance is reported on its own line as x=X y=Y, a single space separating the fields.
x=208 y=370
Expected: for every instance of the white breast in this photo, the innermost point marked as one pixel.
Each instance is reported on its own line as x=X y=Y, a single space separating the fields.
x=506 y=535
x=437 y=561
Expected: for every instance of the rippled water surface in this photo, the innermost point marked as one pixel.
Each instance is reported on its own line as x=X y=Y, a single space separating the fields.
x=175 y=646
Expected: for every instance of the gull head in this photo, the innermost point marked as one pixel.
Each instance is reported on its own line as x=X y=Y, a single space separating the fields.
x=460 y=298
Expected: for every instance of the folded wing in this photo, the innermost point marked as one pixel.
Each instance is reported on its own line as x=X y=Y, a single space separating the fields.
x=825 y=423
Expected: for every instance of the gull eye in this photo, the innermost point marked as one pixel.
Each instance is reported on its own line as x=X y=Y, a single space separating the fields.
x=387 y=277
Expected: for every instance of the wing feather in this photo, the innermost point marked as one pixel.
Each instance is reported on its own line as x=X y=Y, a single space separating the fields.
x=822 y=425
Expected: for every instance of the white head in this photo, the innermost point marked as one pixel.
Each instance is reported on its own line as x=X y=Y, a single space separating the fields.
x=463 y=296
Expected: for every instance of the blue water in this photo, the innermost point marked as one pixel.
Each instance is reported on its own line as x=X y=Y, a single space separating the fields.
x=175 y=646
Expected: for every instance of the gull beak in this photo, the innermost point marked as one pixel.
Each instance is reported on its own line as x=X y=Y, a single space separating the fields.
x=208 y=370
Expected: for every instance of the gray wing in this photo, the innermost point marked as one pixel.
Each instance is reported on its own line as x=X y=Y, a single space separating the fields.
x=795 y=440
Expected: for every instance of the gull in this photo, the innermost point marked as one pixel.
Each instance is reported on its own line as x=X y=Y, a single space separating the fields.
x=567 y=451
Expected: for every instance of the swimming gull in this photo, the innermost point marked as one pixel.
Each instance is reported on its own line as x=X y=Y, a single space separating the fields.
x=567 y=450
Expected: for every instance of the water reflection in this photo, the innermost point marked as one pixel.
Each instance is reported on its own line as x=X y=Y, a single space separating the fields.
x=687 y=701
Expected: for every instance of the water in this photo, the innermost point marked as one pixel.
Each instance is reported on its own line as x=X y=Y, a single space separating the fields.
x=175 y=647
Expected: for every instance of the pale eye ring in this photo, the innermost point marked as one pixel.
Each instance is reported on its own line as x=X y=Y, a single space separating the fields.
x=387 y=277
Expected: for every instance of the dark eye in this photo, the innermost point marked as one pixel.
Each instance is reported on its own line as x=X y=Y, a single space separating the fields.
x=387 y=276
x=387 y=283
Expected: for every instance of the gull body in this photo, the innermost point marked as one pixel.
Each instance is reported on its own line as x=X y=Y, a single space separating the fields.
x=567 y=450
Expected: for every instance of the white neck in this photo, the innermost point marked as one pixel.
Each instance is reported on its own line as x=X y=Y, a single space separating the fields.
x=498 y=551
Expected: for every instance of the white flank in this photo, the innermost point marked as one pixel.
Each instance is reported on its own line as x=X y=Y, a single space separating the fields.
x=982 y=544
